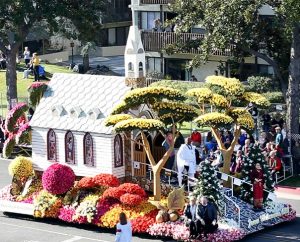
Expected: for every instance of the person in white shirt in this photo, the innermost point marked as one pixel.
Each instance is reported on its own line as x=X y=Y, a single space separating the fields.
x=124 y=230
x=186 y=160
x=26 y=56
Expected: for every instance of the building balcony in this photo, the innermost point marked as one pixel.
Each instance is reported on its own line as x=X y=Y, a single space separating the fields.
x=158 y=41
x=160 y=2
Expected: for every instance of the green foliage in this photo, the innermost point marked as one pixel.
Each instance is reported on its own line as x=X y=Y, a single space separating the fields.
x=274 y=97
x=260 y=84
x=208 y=184
x=255 y=156
x=182 y=86
x=36 y=92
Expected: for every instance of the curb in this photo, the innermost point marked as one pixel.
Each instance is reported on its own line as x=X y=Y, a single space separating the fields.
x=287 y=189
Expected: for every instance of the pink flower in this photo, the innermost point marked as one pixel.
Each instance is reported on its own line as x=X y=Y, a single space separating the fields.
x=58 y=178
x=66 y=214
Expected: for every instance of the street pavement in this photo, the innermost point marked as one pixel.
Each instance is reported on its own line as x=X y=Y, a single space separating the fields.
x=17 y=228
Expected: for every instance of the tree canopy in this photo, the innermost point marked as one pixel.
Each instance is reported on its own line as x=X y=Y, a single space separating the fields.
x=76 y=18
x=239 y=26
x=168 y=109
x=230 y=109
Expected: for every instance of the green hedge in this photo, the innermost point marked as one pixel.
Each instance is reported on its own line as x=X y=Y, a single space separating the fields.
x=182 y=86
x=274 y=97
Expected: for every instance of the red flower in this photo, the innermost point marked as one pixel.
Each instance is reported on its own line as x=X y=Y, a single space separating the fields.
x=142 y=223
x=131 y=199
x=133 y=189
x=86 y=182
x=113 y=192
x=106 y=180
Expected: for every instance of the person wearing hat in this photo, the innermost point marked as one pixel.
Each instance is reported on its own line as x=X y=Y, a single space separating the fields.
x=196 y=138
x=279 y=137
x=190 y=216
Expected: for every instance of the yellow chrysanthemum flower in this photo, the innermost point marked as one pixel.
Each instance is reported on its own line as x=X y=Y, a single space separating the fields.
x=231 y=86
x=219 y=101
x=119 y=108
x=154 y=92
x=214 y=119
x=256 y=98
x=114 y=119
x=21 y=167
x=202 y=94
x=138 y=123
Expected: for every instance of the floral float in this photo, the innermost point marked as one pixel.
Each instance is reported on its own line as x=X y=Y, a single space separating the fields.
x=100 y=199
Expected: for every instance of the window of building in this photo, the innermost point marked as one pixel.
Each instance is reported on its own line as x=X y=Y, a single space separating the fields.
x=70 y=148
x=148 y=18
x=130 y=66
x=140 y=66
x=154 y=65
x=88 y=150
x=118 y=151
x=51 y=145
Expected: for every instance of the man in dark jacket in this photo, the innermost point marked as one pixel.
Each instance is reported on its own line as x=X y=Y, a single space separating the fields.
x=190 y=213
x=206 y=217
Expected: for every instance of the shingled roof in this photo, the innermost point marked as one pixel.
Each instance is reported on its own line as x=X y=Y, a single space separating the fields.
x=79 y=102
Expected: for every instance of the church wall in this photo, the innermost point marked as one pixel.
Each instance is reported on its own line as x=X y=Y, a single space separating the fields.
x=102 y=147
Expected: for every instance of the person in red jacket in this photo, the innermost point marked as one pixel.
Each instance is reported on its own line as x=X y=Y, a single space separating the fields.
x=196 y=138
x=274 y=163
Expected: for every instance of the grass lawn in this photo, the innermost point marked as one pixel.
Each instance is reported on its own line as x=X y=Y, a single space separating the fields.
x=23 y=84
x=291 y=182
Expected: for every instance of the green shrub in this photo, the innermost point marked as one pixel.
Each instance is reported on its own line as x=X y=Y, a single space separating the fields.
x=260 y=84
x=274 y=97
x=182 y=86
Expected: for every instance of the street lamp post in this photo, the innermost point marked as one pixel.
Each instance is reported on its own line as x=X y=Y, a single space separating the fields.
x=72 y=46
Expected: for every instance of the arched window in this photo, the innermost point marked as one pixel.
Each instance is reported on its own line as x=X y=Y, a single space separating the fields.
x=130 y=66
x=51 y=145
x=88 y=150
x=70 y=148
x=118 y=148
x=140 y=66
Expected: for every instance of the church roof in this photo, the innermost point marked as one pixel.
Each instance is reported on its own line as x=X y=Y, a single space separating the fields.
x=79 y=102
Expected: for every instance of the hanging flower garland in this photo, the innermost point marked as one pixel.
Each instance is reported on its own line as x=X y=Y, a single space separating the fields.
x=12 y=118
x=36 y=91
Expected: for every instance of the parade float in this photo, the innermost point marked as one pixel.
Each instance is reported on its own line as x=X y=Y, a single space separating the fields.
x=96 y=152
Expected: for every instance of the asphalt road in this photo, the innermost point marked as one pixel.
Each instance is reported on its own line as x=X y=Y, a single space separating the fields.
x=16 y=228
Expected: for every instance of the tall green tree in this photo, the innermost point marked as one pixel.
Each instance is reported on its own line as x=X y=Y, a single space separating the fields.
x=75 y=18
x=239 y=25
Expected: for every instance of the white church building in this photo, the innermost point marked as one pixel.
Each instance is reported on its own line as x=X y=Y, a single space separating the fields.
x=68 y=124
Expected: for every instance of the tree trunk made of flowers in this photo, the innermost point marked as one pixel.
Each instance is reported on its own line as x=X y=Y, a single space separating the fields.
x=227 y=153
x=156 y=167
x=294 y=80
x=11 y=78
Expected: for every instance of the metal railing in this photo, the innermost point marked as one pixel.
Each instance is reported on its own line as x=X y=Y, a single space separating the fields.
x=160 y=2
x=158 y=41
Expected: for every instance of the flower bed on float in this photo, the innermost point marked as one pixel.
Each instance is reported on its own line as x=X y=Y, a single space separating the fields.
x=100 y=199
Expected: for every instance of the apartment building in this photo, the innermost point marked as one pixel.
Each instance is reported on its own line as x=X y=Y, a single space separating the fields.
x=154 y=41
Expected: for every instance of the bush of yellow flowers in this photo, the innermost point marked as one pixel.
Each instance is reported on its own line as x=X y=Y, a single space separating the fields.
x=138 y=123
x=214 y=119
x=114 y=119
x=21 y=167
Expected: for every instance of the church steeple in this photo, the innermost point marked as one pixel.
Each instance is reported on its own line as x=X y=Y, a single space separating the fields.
x=135 y=60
